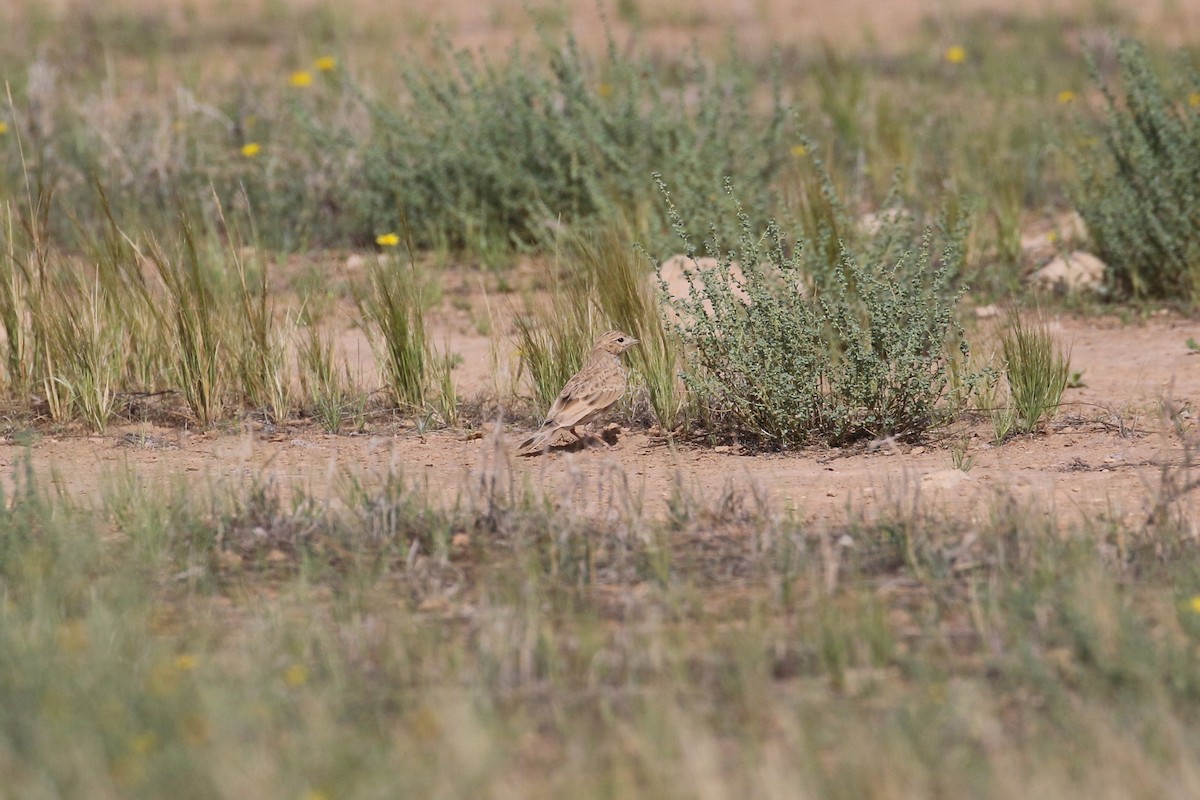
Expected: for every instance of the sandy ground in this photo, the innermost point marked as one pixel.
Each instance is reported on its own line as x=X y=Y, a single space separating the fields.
x=1098 y=460
x=668 y=24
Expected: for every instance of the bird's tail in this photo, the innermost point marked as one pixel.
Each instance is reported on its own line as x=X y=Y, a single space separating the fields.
x=538 y=442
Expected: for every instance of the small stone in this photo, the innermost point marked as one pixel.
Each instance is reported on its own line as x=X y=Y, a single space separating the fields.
x=987 y=312
x=1074 y=273
x=275 y=556
x=724 y=448
x=460 y=541
x=946 y=479
x=916 y=451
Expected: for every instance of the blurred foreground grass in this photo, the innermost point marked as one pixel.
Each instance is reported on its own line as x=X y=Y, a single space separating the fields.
x=258 y=642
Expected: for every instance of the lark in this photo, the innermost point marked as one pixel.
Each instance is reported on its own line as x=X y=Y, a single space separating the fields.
x=600 y=383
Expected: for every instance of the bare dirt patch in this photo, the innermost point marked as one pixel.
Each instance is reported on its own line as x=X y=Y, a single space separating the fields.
x=1099 y=459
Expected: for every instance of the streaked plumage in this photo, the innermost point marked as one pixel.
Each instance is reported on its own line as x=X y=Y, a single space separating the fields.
x=600 y=383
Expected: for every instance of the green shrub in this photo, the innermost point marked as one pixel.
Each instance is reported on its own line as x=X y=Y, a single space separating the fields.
x=1140 y=194
x=493 y=156
x=785 y=348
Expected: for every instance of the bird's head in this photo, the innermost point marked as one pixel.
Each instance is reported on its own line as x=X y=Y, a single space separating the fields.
x=615 y=342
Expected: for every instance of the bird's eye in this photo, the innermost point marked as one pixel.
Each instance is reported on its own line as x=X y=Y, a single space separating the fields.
x=620 y=340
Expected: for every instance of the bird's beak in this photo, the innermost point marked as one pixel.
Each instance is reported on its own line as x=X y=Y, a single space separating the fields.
x=633 y=341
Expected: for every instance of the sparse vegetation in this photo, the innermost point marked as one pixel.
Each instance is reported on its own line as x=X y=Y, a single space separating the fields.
x=331 y=391
x=200 y=216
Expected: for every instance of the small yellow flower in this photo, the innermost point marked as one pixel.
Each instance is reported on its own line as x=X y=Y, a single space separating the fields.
x=605 y=90
x=296 y=675
x=1195 y=604
x=325 y=64
x=1193 y=101
x=251 y=149
x=387 y=240
x=1066 y=96
x=955 y=54
x=3 y=128
x=799 y=150
x=185 y=663
x=300 y=79
x=1052 y=237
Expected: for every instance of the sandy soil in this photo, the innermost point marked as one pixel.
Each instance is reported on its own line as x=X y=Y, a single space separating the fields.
x=1099 y=459
x=668 y=24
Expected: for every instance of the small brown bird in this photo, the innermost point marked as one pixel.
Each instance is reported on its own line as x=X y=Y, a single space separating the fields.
x=590 y=392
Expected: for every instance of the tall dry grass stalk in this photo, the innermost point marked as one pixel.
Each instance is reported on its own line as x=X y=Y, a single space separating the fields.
x=392 y=307
x=623 y=284
x=195 y=325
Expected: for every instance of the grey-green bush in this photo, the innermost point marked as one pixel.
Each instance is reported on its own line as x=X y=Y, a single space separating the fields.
x=785 y=348
x=1140 y=193
x=493 y=156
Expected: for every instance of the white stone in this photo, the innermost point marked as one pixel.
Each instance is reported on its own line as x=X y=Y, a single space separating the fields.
x=1076 y=272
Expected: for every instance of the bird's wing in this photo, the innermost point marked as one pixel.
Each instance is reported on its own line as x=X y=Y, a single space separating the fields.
x=576 y=404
